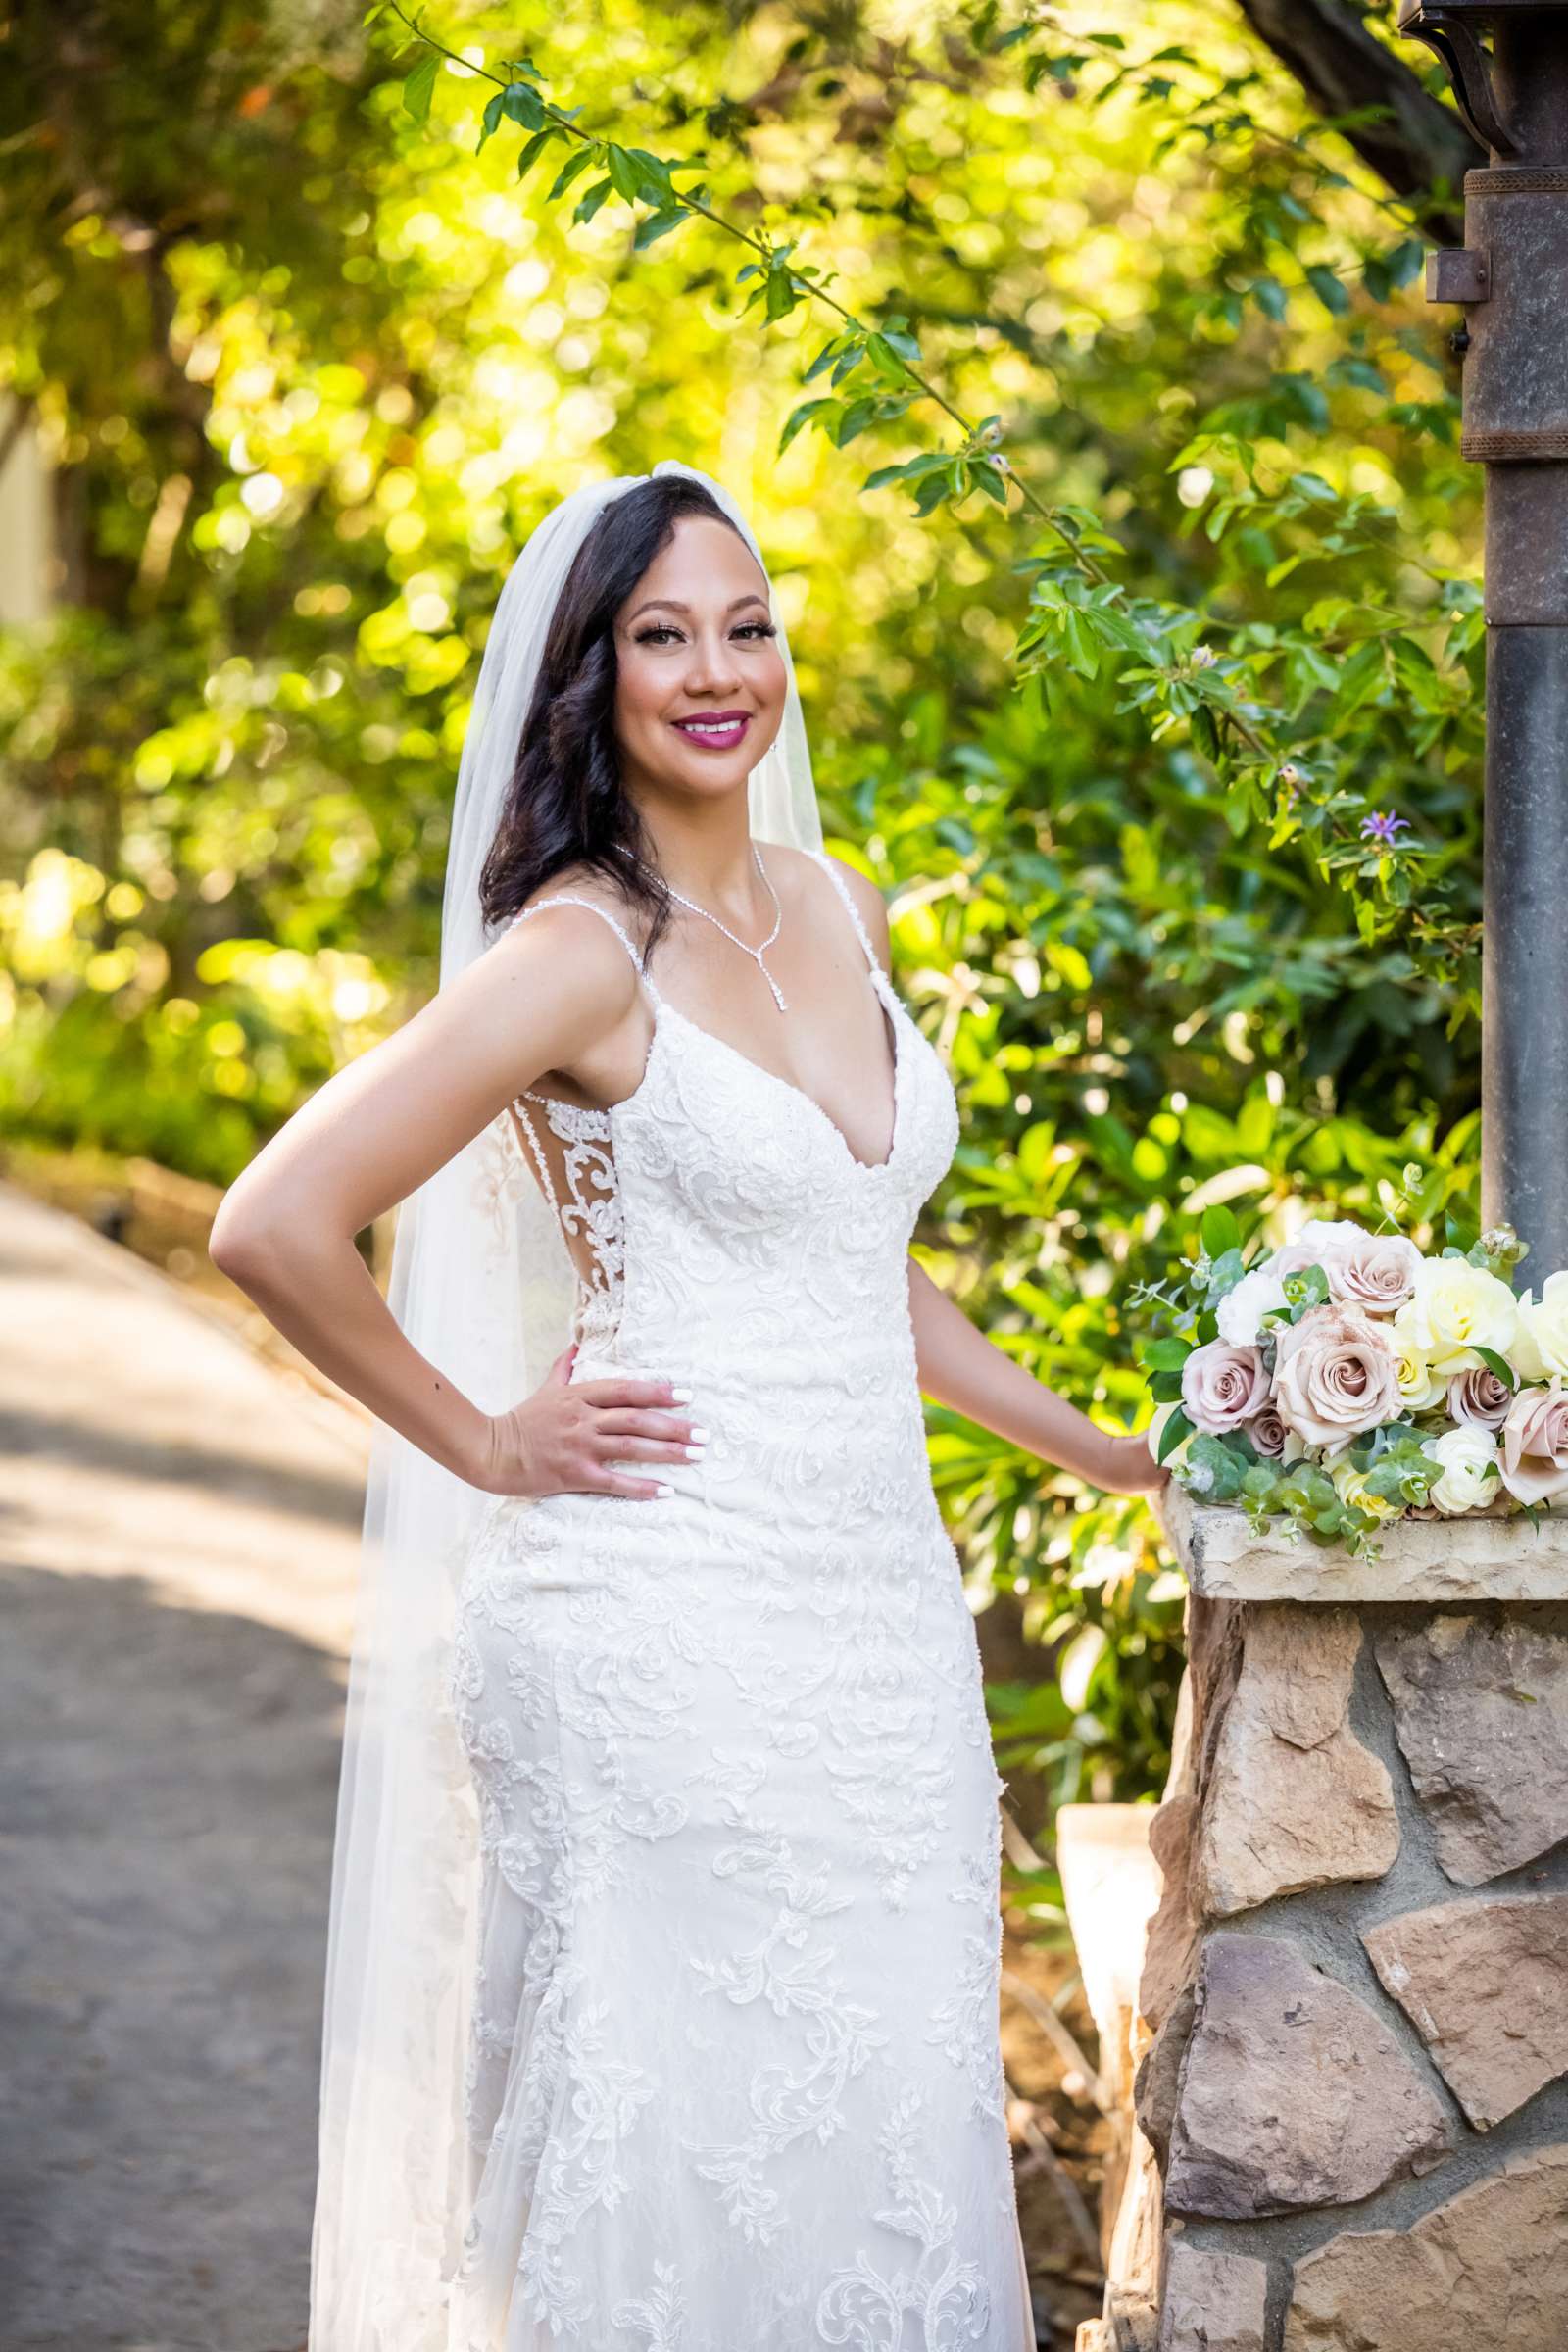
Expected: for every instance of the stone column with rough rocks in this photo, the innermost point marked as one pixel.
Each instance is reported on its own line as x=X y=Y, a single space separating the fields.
x=1354 y=1999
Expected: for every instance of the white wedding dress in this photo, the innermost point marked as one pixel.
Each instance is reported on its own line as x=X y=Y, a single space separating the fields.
x=736 y=2081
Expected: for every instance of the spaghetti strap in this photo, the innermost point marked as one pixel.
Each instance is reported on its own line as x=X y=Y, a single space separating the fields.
x=568 y=898
x=842 y=887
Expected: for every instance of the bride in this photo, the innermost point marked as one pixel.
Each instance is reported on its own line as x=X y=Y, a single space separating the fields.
x=665 y=1939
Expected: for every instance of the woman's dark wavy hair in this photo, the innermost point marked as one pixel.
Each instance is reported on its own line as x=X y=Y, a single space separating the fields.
x=566 y=805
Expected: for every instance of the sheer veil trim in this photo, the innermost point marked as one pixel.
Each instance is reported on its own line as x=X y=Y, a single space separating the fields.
x=482 y=1284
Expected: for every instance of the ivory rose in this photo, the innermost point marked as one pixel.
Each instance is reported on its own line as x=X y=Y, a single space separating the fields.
x=1458 y=1309
x=1540 y=1346
x=1156 y=1430
x=1422 y=1389
x=1335 y=1376
x=1349 y=1484
x=1223 y=1385
x=1535 y=1444
x=1470 y=1466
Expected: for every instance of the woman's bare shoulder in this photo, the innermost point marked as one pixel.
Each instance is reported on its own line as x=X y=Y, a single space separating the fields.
x=565 y=925
x=580 y=881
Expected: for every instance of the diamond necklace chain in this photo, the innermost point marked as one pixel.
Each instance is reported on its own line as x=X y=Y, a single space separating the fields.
x=755 y=954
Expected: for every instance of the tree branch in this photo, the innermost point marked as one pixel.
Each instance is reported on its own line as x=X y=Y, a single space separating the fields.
x=1344 y=68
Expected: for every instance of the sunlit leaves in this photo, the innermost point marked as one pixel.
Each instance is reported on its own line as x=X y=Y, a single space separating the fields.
x=1136 y=909
x=419 y=86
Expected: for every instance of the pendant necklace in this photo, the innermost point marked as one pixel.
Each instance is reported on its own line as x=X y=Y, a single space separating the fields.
x=755 y=954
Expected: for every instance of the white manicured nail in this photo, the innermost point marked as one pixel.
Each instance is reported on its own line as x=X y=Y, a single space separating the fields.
x=662 y=1490
x=695 y=1453
x=682 y=1395
x=699 y=1435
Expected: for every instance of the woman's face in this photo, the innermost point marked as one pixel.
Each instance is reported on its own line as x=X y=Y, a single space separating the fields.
x=700 y=686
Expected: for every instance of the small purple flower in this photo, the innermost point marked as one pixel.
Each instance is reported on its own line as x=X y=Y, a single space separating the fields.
x=1383 y=825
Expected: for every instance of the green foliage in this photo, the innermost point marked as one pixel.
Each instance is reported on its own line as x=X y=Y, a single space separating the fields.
x=1140 y=635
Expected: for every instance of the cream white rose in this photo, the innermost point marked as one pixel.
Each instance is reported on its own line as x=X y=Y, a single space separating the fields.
x=1422 y=1389
x=1334 y=1377
x=1239 y=1314
x=1458 y=1309
x=1156 y=1430
x=1349 y=1484
x=1540 y=1344
x=1470 y=1469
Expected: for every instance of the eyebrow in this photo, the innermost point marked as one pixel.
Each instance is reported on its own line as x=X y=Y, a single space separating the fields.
x=672 y=606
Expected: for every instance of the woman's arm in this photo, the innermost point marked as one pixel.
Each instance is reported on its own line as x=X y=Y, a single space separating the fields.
x=959 y=1366
x=549 y=991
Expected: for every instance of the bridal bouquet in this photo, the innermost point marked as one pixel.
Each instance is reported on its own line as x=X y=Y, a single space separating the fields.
x=1346 y=1379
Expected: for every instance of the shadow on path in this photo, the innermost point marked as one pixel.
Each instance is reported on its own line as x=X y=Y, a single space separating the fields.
x=161 y=1975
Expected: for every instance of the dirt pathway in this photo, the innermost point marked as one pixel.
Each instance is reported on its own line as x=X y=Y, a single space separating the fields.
x=178 y=1547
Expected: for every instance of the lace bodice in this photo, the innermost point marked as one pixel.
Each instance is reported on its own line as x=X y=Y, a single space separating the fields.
x=799 y=1160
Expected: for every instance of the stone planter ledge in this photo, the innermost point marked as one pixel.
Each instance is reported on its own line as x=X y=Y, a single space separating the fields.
x=1434 y=1560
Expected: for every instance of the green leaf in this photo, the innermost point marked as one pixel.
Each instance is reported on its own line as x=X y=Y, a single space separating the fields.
x=1226 y=1468
x=419 y=86
x=591 y=201
x=834 y=349
x=521 y=103
x=534 y=149
x=1171 y=1436
x=854 y=418
x=1498 y=1364
x=885 y=359
x=801 y=417
x=1329 y=290
x=655 y=186
x=781 y=294
x=1205 y=732
x=624 y=176
x=1219 y=1231
x=574 y=166
x=658 y=224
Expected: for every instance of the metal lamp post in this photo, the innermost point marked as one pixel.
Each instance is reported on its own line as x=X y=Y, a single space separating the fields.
x=1511 y=277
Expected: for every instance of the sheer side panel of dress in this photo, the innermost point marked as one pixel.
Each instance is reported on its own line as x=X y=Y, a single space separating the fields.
x=581 y=1185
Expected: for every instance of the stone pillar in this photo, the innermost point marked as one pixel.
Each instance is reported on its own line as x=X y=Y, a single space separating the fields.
x=1355 y=1985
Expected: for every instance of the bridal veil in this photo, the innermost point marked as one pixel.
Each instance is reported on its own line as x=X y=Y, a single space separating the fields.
x=482 y=1285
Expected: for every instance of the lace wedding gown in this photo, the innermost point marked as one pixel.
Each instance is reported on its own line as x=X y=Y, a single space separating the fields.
x=736 y=2083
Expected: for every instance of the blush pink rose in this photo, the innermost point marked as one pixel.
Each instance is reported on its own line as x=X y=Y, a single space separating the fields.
x=1477 y=1396
x=1373 y=1273
x=1336 y=1375
x=1223 y=1385
x=1268 y=1433
x=1535 y=1444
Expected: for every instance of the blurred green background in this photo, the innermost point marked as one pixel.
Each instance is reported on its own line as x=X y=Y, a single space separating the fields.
x=1169 y=764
